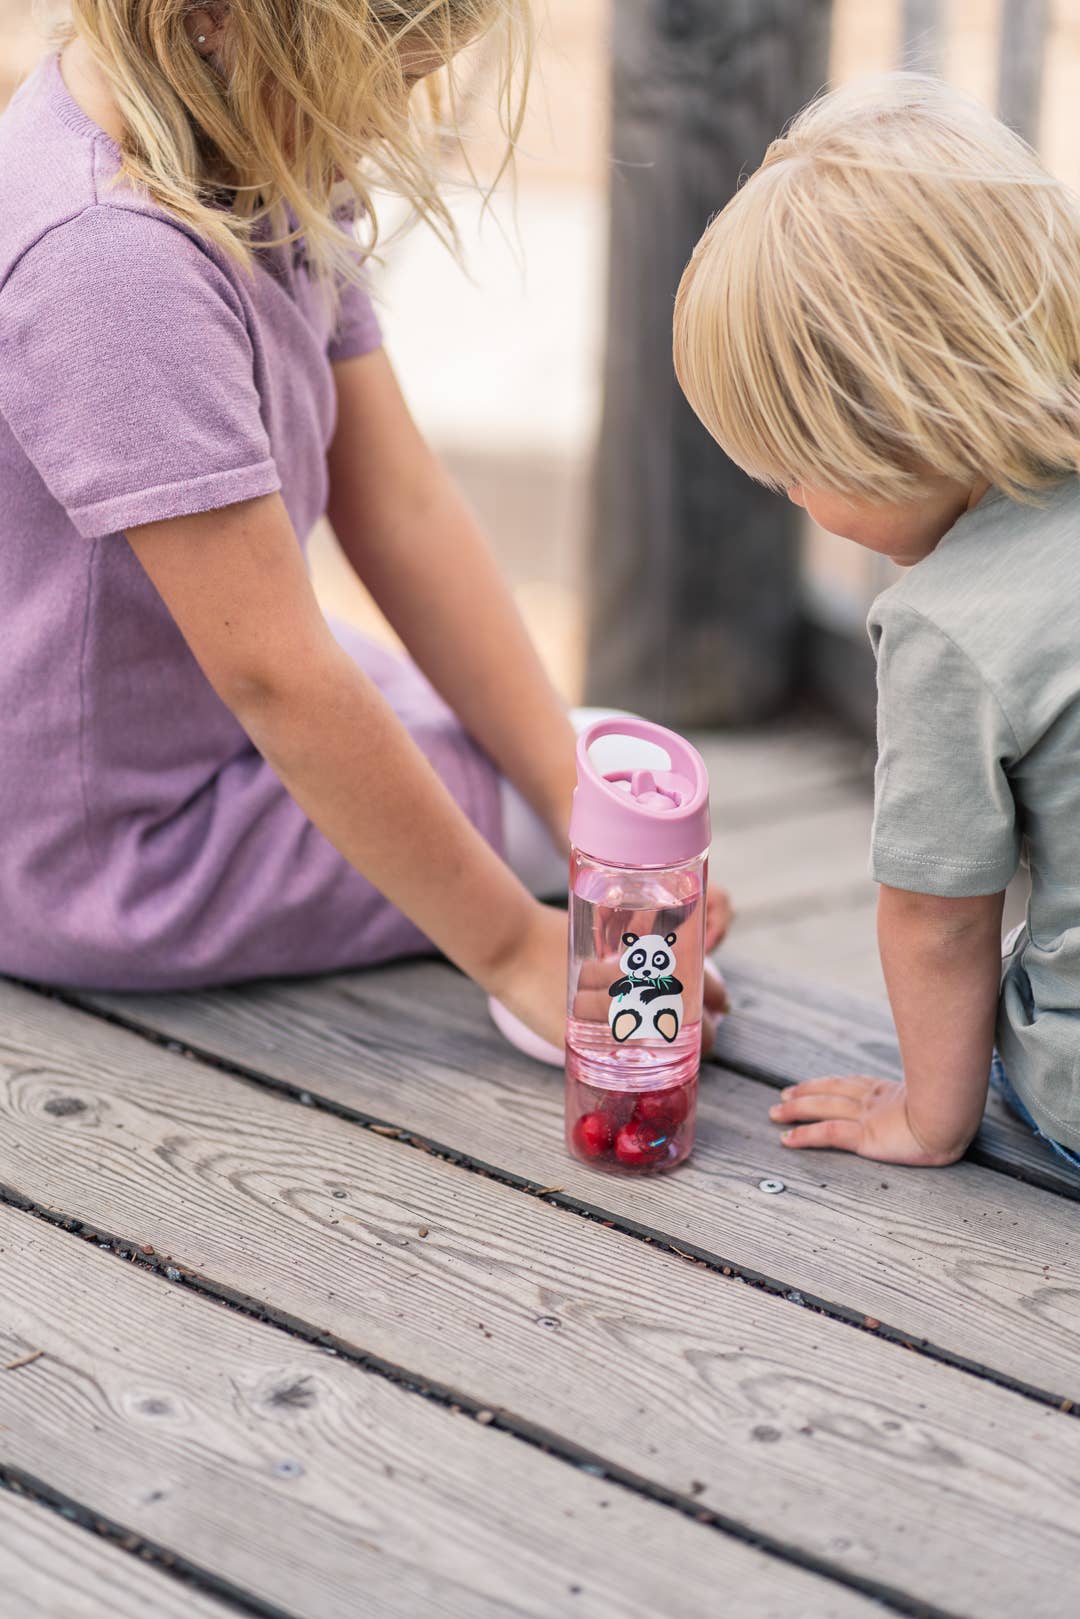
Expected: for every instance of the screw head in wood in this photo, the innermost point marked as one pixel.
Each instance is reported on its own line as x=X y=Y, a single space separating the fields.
x=772 y=1186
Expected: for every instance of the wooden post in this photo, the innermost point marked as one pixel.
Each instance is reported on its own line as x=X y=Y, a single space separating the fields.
x=1020 y=65
x=922 y=36
x=693 y=569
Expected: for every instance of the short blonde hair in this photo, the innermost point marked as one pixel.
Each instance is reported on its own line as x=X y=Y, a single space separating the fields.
x=895 y=292
x=313 y=101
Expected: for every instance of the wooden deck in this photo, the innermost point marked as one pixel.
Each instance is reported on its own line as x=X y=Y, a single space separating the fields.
x=305 y=1312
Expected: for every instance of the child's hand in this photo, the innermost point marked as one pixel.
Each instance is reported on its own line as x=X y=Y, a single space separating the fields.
x=856 y=1114
x=717 y=1003
x=532 y=982
x=718 y=915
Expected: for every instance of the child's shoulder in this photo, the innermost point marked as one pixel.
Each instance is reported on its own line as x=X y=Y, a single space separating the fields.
x=996 y=599
x=1004 y=566
x=53 y=163
x=58 y=205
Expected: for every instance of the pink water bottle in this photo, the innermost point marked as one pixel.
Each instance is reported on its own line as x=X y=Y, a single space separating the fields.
x=638 y=866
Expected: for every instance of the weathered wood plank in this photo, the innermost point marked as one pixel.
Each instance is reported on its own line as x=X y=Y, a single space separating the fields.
x=787 y=1028
x=49 y=1569
x=817 y=858
x=837 y=936
x=771 y=773
x=785 y=1419
x=311 y=1482
x=412 y=1046
x=954 y=1256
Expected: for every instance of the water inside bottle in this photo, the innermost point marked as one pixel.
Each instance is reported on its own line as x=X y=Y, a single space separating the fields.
x=633 y=1040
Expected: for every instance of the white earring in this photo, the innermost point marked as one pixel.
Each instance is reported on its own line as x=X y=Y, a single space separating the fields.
x=200 y=39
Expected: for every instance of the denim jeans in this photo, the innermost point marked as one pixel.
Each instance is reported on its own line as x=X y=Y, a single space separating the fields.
x=1000 y=1082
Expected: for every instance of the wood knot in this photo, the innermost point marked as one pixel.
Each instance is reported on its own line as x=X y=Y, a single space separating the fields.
x=155 y=1407
x=298 y=1393
x=62 y=1107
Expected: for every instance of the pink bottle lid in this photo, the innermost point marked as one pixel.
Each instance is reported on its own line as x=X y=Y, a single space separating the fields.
x=641 y=818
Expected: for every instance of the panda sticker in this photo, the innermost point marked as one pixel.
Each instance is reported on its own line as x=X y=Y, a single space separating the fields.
x=647 y=1000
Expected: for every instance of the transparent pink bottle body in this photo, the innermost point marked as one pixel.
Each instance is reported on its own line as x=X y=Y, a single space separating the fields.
x=633 y=1034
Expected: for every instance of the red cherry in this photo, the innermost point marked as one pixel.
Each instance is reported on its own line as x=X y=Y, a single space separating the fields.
x=639 y=1144
x=593 y=1134
x=666 y=1108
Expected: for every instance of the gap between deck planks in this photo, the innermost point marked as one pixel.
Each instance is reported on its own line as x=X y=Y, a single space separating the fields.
x=783 y=1028
x=979 y=1266
x=725 y=1369
x=52 y=1569
x=315 y=1486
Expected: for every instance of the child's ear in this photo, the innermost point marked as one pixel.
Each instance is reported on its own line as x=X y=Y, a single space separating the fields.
x=671 y=937
x=629 y=938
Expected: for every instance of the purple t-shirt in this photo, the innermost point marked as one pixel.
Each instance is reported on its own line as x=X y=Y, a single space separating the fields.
x=144 y=375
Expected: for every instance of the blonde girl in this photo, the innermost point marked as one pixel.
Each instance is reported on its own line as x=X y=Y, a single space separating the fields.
x=885 y=323
x=203 y=781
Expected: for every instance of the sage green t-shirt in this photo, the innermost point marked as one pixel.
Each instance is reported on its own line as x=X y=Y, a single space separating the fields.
x=978 y=653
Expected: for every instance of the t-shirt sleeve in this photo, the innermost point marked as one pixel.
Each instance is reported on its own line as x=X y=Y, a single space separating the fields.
x=127 y=373
x=944 y=817
x=357 y=328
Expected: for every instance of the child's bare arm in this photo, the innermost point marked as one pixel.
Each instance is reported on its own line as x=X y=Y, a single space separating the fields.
x=942 y=962
x=418 y=549
x=413 y=541
x=235 y=582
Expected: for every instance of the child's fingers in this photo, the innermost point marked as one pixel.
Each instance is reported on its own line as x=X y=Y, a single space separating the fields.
x=815 y=1107
x=844 y=1134
x=592 y=1005
x=854 y=1085
x=716 y=993
x=718 y=917
x=598 y=974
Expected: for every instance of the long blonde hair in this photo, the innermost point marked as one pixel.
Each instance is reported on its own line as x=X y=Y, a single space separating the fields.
x=894 y=292
x=314 y=102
